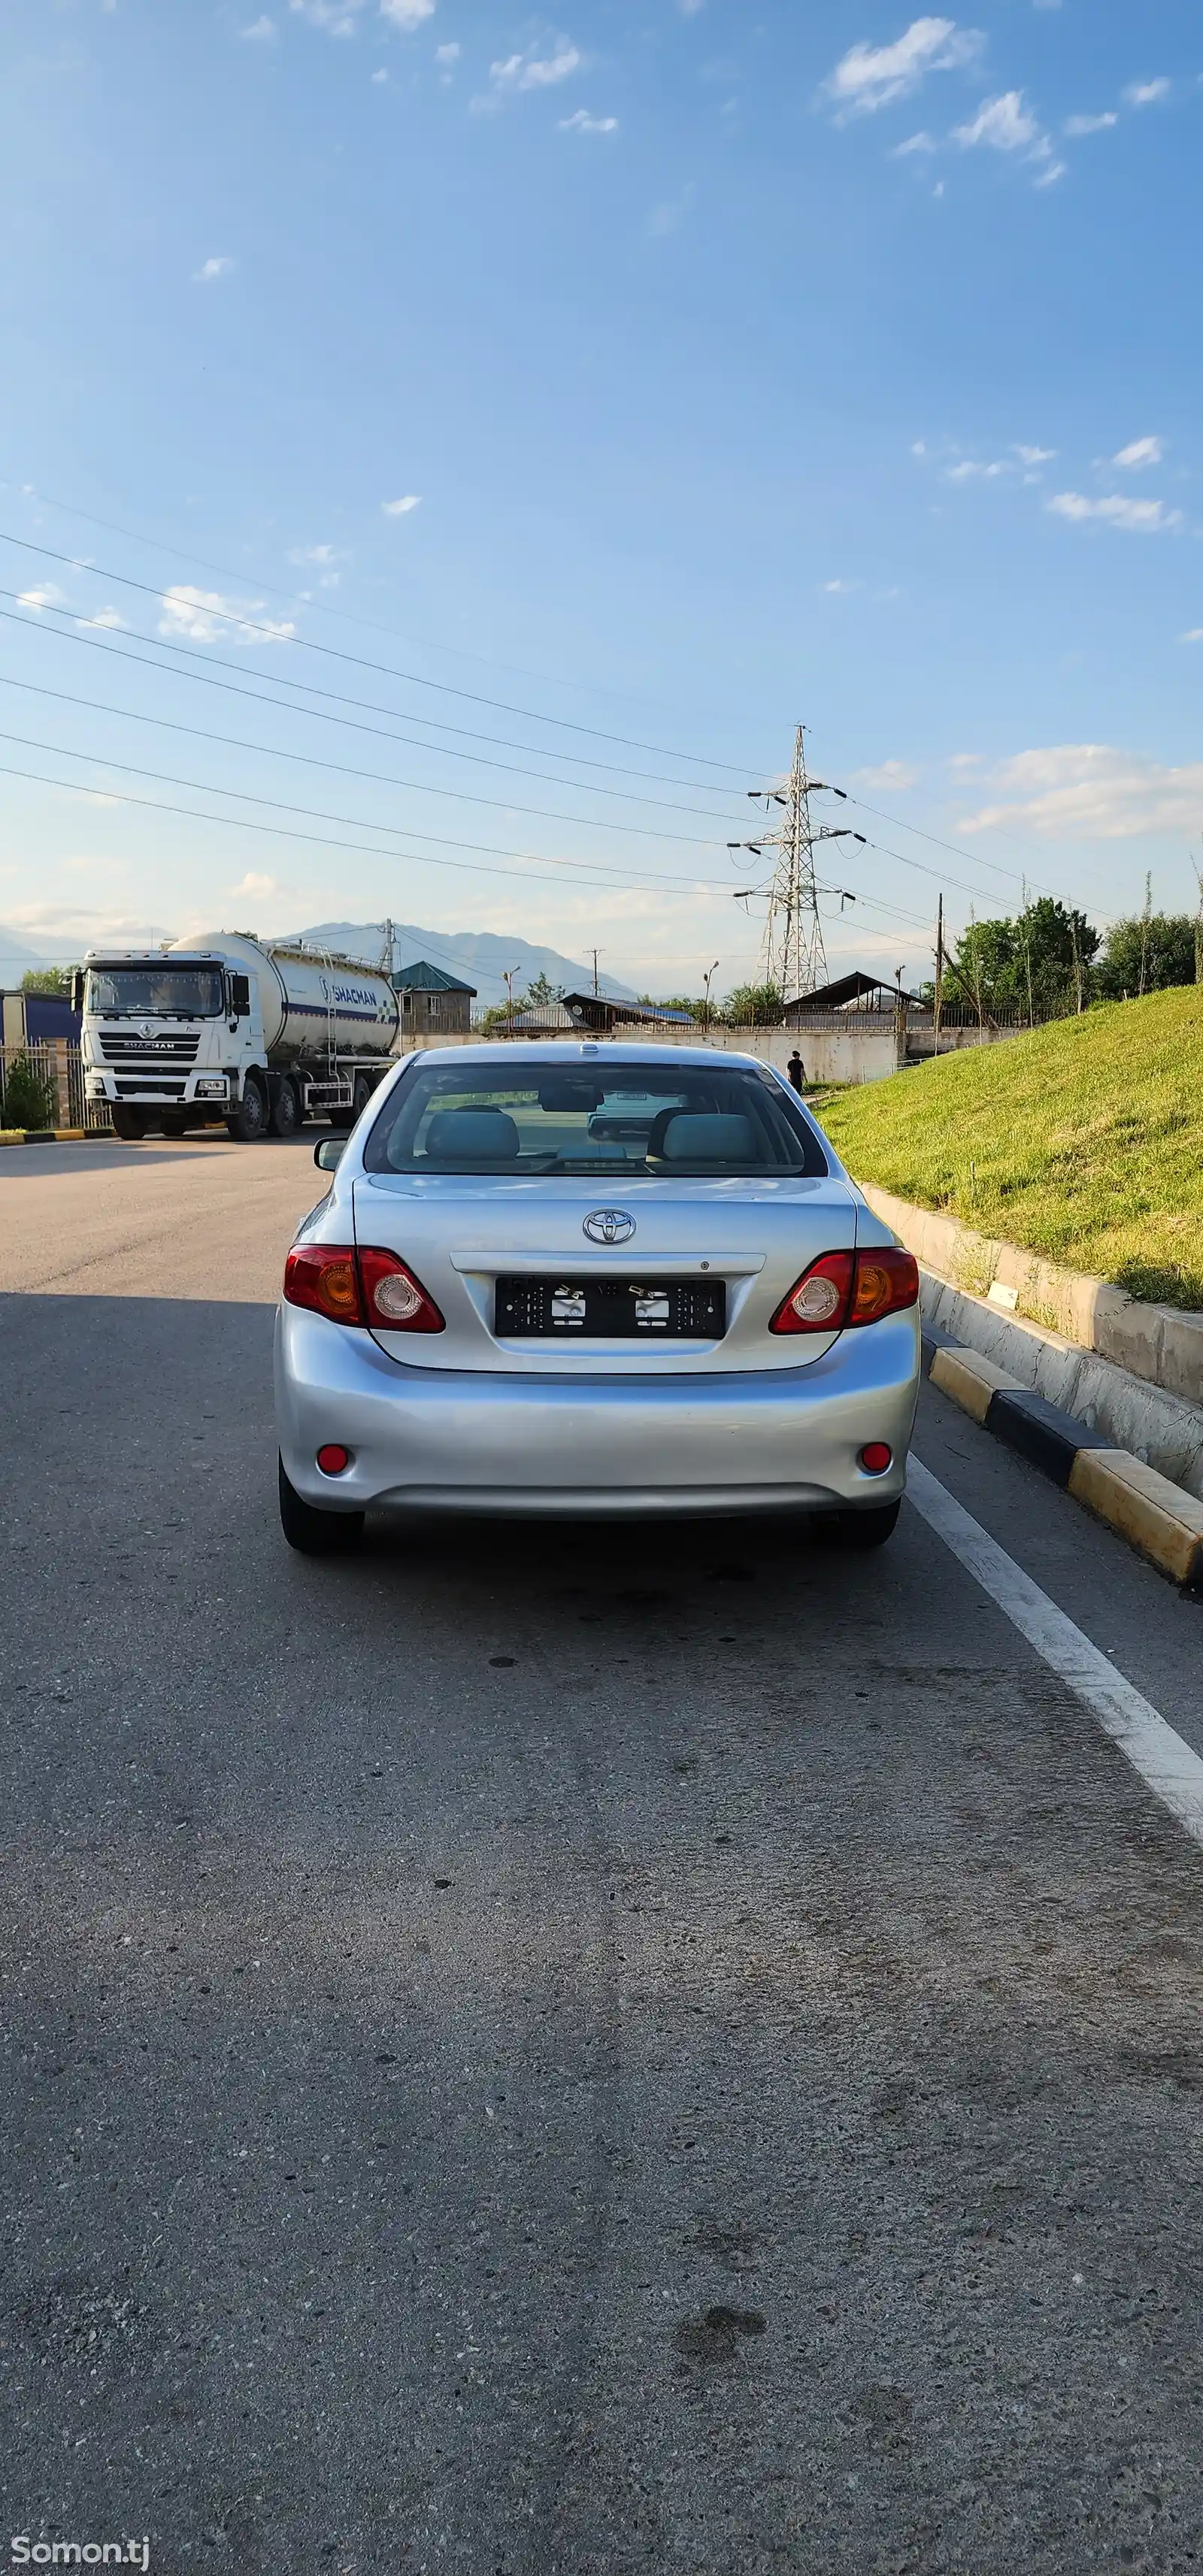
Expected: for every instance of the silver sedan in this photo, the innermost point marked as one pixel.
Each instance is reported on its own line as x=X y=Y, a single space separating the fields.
x=592 y=1279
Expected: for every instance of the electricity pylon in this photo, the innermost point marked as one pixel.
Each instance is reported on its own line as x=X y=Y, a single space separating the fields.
x=793 y=956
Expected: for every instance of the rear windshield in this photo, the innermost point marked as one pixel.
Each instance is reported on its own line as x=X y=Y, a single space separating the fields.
x=527 y=1117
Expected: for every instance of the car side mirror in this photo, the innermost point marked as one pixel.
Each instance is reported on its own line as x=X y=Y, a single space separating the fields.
x=329 y=1153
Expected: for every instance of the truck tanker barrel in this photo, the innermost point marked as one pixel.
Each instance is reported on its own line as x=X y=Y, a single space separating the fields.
x=313 y=1006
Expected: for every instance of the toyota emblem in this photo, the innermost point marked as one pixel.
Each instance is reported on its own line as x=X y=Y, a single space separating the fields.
x=609 y=1225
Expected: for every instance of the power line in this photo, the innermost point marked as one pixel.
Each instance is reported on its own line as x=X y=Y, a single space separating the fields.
x=279 y=680
x=611 y=881
x=345 y=616
x=458 y=795
x=332 y=652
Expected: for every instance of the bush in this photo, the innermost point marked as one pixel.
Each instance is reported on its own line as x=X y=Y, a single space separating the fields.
x=28 y=1100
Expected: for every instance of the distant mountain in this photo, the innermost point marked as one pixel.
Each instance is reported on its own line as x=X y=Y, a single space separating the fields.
x=480 y=956
x=16 y=955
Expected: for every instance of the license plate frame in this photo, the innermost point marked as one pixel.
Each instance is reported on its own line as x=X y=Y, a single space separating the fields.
x=611 y=1307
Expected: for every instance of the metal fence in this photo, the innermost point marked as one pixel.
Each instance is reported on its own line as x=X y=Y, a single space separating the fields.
x=54 y=1073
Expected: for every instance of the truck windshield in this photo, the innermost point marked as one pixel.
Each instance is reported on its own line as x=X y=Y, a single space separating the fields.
x=154 y=992
x=540 y=1117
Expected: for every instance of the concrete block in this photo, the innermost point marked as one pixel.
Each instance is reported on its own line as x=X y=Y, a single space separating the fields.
x=1182 y=1354
x=1156 y=1516
x=970 y=1380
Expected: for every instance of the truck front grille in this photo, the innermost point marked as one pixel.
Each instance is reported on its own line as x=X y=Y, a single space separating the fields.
x=130 y=1054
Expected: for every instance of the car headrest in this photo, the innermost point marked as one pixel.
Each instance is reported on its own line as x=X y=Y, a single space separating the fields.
x=463 y=1135
x=693 y=1137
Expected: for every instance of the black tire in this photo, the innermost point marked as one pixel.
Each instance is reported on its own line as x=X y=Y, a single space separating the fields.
x=129 y=1124
x=174 y=1123
x=286 y=1109
x=312 y=1532
x=859 y=1530
x=248 y=1126
x=360 y=1097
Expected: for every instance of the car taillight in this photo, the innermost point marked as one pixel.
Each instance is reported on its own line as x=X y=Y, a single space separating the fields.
x=842 y=1289
x=364 y=1287
x=323 y=1277
x=393 y=1299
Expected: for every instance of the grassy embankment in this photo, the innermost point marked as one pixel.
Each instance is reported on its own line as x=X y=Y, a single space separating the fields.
x=1082 y=1141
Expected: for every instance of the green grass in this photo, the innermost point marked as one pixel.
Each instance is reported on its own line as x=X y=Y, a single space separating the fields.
x=1082 y=1141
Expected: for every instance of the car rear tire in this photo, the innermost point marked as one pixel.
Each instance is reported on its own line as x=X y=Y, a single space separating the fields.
x=864 y=1529
x=128 y=1124
x=249 y=1122
x=313 y=1532
x=286 y=1109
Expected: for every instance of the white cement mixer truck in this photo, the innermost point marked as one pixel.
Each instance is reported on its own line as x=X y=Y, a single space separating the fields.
x=232 y=1029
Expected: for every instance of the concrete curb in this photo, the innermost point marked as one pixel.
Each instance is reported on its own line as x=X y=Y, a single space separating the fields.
x=1144 y=1507
x=55 y=1135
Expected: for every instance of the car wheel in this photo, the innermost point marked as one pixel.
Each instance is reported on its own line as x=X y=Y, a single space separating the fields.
x=249 y=1121
x=313 y=1532
x=286 y=1111
x=865 y=1529
x=128 y=1124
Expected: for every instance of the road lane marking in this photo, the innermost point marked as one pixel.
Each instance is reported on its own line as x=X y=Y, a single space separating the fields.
x=1165 y=1763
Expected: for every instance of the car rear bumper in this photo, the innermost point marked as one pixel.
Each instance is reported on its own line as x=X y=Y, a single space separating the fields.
x=482 y=1441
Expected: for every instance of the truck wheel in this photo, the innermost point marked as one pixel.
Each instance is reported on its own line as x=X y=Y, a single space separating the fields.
x=859 y=1530
x=173 y=1122
x=129 y=1124
x=360 y=1097
x=312 y=1532
x=249 y=1122
x=286 y=1109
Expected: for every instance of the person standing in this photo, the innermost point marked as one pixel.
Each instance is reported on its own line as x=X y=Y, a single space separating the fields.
x=796 y=1070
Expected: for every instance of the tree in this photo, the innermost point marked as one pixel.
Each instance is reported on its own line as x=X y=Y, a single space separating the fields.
x=754 y=1006
x=48 y=979
x=1145 y=953
x=1040 y=964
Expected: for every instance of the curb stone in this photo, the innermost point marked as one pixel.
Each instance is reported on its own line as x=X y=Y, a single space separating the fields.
x=1154 y=1515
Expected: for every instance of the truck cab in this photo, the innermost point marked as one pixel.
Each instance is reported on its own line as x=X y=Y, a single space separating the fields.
x=169 y=1039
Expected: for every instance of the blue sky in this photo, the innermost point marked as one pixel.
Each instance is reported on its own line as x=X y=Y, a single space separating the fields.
x=643 y=375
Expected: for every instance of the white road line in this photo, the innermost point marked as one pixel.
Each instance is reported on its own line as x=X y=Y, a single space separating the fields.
x=1164 y=1761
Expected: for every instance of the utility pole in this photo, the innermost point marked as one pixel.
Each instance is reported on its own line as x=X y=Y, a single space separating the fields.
x=713 y=970
x=595 y=971
x=939 y=972
x=1145 y=920
x=509 y=1001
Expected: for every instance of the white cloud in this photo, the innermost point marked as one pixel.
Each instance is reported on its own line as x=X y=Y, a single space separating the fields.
x=1139 y=453
x=103 y=617
x=841 y=589
x=401 y=509
x=1193 y=635
x=407 y=14
x=380 y=77
x=262 y=31
x=919 y=447
x=446 y=54
x=205 y=617
x=869 y=77
x=1003 y=123
x=892 y=775
x=967 y=471
x=1117 y=510
x=921 y=142
x=1090 y=124
x=211 y=268
x=1087 y=790
x=46 y=595
x=336 y=16
x=318 y=555
x=254 y=884
x=1035 y=455
x=582 y=123
x=1144 y=93
x=690 y=8
x=536 y=71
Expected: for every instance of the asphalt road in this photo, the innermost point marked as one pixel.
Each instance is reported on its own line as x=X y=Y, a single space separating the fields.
x=577 y=2051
